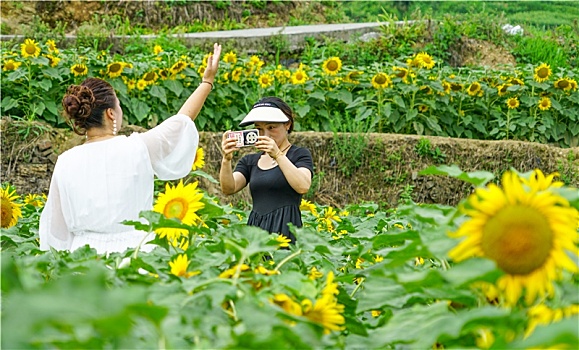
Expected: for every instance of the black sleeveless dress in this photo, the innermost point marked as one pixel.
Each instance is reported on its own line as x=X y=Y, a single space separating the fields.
x=275 y=202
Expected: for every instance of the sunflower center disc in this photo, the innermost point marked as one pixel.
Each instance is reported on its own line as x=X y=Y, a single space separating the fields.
x=6 y=213
x=518 y=239
x=175 y=208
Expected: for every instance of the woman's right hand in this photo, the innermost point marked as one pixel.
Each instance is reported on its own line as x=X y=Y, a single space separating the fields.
x=228 y=146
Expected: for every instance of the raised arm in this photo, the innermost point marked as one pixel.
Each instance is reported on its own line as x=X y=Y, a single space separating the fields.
x=193 y=105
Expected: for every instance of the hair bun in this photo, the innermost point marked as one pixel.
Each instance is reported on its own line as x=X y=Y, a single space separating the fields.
x=78 y=103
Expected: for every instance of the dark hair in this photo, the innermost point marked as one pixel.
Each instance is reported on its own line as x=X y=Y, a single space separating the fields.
x=84 y=104
x=285 y=108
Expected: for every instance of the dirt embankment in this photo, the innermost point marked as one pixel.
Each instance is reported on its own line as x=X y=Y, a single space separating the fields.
x=385 y=171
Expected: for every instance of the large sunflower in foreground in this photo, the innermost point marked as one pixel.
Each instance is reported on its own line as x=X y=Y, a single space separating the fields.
x=181 y=202
x=526 y=229
x=10 y=209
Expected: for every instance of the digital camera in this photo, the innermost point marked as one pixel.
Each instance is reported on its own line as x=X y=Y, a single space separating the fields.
x=244 y=137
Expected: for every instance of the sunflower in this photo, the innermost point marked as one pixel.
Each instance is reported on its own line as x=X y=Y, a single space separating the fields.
x=201 y=70
x=181 y=202
x=29 y=48
x=299 y=77
x=425 y=60
x=426 y=89
x=474 y=89
x=236 y=74
x=308 y=206
x=179 y=267
x=131 y=84
x=332 y=65
x=380 y=81
x=544 y=103
x=353 y=77
x=573 y=84
x=563 y=84
x=230 y=57
x=328 y=216
x=542 y=73
x=157 y=49
x=314 y=273
x=79 y=69
x=232 y=271
x=52 y=60
x=178 y=67
x=10 y=65
x=265 y=80
x=287 y=303
x=484 y=338
x=326 y=311
x=517 y=81
x=52 y=46
x=401 y=73
x=115 y=69
x=10 y=209
x=456 y=87
x=525 y=228
x=541 y=314
x=513 y=103
x=422 y=108
x=199 y=159
x=283 y=241
x=150 y=78
x=503 y=89
x=446 y=87
x=35 y=200
x=254 y=60
x=141 y=84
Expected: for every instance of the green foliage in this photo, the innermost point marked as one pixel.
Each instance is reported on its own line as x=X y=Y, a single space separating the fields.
x=349 y=142
x=425 y=149
x=569 y=170
x=391 y=272
x=419 y=100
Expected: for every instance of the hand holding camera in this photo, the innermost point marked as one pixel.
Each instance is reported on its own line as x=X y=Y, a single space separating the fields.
x=244 y=138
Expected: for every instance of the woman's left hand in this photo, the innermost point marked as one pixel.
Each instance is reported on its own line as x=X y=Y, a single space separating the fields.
x=267 y=145
x=212 y=64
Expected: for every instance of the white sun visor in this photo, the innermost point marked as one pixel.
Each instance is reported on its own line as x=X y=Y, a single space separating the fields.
x=264 y=112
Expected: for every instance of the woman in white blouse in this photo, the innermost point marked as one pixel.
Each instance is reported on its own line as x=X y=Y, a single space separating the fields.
x=109 y=179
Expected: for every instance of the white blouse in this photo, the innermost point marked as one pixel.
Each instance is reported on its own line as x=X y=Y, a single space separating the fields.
x=98 y=185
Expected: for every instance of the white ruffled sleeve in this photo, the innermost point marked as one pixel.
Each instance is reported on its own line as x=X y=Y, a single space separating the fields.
x=172 y=146
x=53 y=231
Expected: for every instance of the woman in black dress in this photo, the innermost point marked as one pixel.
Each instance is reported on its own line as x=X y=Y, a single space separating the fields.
x=278 y=175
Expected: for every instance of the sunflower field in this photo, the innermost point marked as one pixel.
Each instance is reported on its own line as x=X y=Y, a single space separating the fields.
x=498 y=271
x=415 y=94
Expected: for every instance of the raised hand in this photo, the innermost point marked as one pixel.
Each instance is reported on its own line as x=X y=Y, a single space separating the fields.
x=212 y=64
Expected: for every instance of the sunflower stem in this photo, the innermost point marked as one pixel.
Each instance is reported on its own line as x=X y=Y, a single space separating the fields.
x=357 y=287
x=136 y=253
x=287 y=258
x=234 y=313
